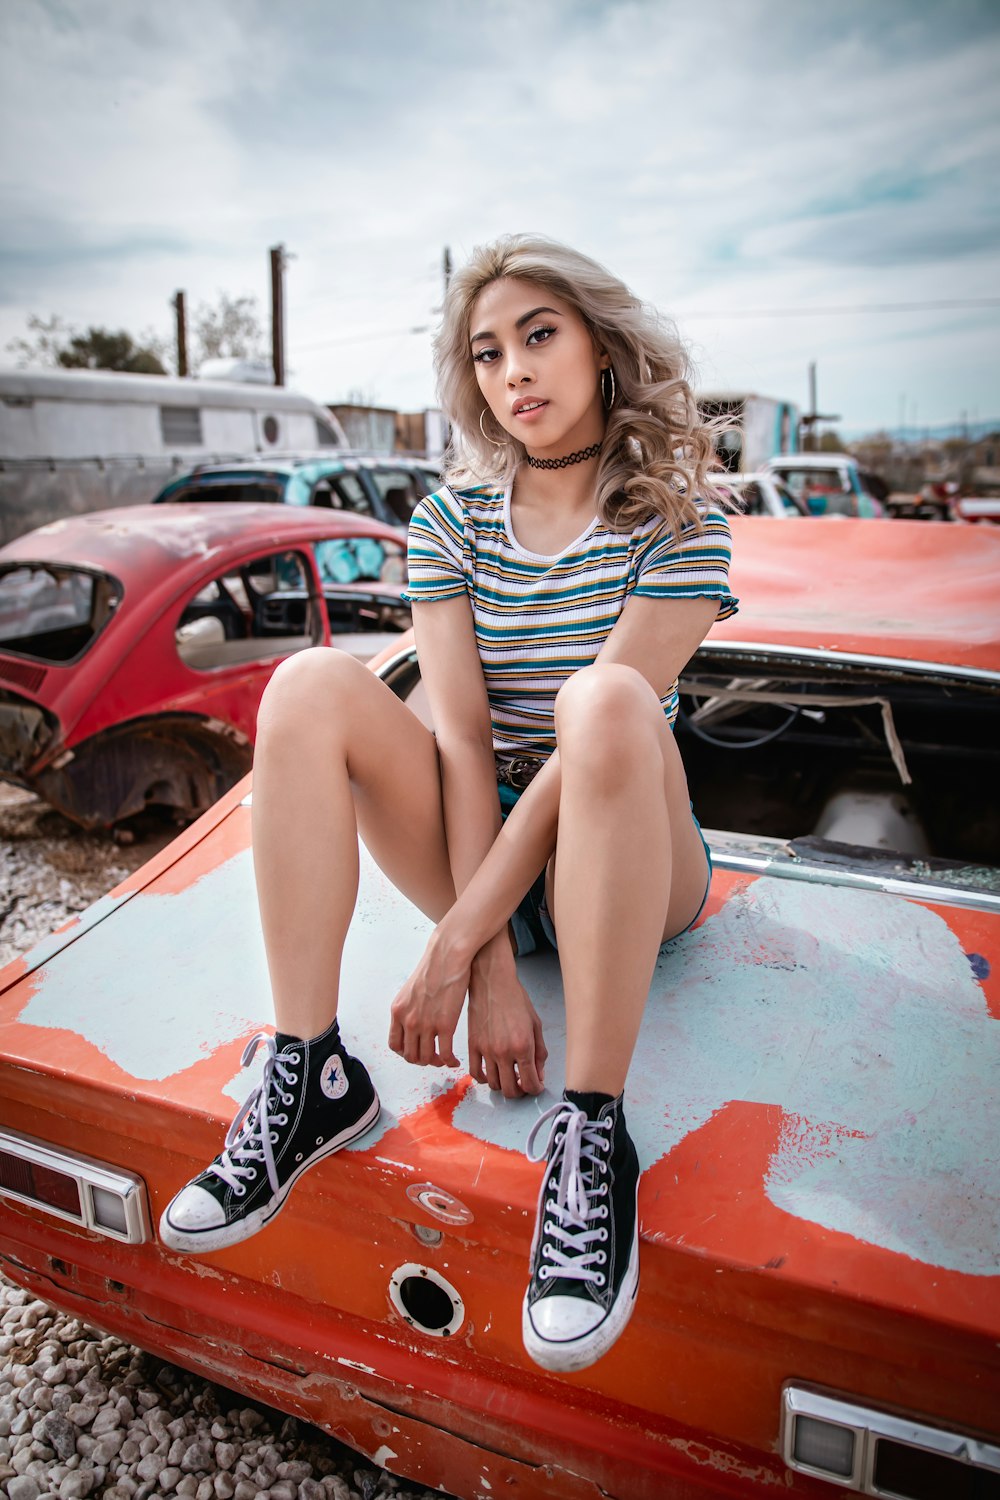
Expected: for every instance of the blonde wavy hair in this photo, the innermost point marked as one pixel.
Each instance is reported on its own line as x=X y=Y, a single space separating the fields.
x=657 y=449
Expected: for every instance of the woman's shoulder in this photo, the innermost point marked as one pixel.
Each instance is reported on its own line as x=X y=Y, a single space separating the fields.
x=712 y=521
x=464 y=515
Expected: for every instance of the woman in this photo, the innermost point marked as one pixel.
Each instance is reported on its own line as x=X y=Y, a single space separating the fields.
x=559 y=584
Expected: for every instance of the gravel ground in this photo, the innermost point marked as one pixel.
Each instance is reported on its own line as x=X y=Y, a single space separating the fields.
x=80 y=1412
x=83 y=1414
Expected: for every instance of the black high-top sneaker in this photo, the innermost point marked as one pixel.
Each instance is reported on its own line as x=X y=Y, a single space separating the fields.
x=313 y=1098
x=585 y=1254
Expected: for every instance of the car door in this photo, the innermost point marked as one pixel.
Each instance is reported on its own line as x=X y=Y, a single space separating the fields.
x=232 y=631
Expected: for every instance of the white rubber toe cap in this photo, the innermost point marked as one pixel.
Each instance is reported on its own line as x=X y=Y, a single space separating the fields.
x=191 y=1212
x=559 y=1320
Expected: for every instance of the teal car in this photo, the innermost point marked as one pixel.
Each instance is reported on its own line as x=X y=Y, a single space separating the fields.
x=383 y=487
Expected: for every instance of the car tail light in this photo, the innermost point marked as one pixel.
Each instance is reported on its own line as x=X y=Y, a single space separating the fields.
x=874 y=1453
x=102 y=1198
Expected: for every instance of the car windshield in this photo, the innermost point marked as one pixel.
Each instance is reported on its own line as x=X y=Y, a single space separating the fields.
x=233 y=490
x=53 y=613
x=822 y=492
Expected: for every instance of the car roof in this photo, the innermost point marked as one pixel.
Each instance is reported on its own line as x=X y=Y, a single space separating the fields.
x=143 y=544
x=286 y=463
x=811 y=460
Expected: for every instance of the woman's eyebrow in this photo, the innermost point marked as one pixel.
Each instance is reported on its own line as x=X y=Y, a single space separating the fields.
x=520 y=322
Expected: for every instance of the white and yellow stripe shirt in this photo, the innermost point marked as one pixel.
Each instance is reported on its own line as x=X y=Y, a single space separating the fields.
x=537 y=619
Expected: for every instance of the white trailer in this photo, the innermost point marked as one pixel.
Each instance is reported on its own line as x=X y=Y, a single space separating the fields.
x=79 y=440
x=759 y=427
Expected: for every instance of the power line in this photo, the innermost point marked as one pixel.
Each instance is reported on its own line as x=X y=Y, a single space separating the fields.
x=943 y=305
x=364 y=338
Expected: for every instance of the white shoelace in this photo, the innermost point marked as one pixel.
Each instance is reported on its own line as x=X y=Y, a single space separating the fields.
x=250 y=1138
x=568 y=1216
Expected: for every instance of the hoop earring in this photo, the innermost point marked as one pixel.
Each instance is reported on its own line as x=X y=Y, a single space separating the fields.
x=486 y=435
x=608 y=401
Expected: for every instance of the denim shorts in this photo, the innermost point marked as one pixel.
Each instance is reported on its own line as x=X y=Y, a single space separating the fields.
x=533 y=929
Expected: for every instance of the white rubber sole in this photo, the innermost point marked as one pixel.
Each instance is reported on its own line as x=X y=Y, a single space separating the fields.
x=567 y=1355
x=202 y=1241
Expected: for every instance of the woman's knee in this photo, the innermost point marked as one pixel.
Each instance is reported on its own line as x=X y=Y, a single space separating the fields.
x=602 y=696
x=311 y=687
x=605 y=712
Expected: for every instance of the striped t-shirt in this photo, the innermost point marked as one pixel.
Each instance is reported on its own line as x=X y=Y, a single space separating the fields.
x=537 y=619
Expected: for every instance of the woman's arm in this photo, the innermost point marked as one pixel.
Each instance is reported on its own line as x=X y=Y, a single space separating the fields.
x=657 y=637
x=426 y=1011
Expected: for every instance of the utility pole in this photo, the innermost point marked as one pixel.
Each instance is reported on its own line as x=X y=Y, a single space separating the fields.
x=812 y=417
x=446 y=266
x=278 y=312
x=180 y=314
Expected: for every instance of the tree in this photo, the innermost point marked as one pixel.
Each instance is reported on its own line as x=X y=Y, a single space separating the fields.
x=55 y=344
x=229 y=330
x=100 y=349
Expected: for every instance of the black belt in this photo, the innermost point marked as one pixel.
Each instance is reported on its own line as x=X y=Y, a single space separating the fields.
x=517 y=770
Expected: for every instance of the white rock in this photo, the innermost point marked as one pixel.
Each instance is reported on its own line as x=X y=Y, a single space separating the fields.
x=107 y=1420
x=74 y=1486
x=23 y=1488
x=151 y=1466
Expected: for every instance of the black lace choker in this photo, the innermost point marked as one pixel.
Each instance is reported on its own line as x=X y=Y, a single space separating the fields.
x=564 y=463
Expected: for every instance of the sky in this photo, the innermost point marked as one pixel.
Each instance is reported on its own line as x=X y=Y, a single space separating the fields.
x=787 y=180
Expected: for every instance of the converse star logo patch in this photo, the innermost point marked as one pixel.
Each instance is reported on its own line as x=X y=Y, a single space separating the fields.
x=333 y=1078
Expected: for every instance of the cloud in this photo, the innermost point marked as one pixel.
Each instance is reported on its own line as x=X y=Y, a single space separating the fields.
x=731 y=156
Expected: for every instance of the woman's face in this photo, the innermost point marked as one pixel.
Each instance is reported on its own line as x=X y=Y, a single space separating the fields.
x=537 y=367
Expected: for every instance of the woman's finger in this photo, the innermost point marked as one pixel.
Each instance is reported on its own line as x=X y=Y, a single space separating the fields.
x=492 y=1074
x=446 y=1051
x=395 y=1034
x=529 y=1077
x=508 y=1081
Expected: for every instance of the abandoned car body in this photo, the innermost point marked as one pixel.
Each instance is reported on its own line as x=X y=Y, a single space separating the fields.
x=135 y=644
x=814 y=1098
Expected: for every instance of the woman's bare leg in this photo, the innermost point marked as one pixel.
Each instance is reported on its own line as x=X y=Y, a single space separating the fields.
x=337 y=751
x=630 y=868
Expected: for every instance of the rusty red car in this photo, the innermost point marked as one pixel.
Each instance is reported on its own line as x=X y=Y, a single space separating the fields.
x=135 y=644
x=814 y=1098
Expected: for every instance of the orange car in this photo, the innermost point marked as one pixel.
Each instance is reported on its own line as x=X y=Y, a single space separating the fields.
x=814 y=1098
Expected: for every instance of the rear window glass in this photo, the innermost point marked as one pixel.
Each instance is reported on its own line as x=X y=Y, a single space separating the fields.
x=236 y=491
x=52 y=613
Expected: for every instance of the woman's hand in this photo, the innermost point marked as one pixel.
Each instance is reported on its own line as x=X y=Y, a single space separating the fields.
x=506 y=1046
x=426 y=1010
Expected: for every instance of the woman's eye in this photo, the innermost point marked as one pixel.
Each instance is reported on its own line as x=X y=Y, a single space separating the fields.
x=539 y=335
x=486 y=356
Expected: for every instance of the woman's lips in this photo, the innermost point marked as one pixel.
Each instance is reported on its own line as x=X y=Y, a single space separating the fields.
x=530 y=411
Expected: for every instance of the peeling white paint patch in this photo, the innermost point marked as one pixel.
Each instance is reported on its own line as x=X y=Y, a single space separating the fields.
x=352 y=1364
x=856 y=1013
x=382 y=1455
x=43 y=952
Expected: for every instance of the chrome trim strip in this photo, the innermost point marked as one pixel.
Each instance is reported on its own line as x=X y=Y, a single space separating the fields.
x=88 y=1175
x=401 y=658
x=868 y=1425
x=829 y=657
x=784 y=865
x=814 y=656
